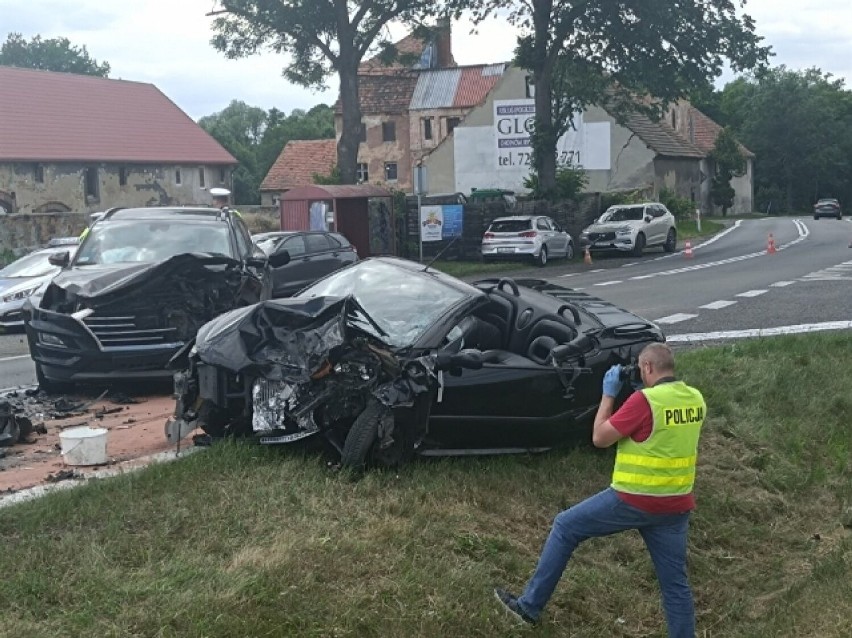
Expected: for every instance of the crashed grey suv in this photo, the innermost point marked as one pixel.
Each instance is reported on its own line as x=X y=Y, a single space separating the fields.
x=140 y=285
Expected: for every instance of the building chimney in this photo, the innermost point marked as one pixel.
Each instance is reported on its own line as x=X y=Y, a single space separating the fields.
x=444 y=44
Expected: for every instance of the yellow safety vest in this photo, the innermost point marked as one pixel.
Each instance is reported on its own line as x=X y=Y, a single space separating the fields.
x=664 y=463
x=83 y=234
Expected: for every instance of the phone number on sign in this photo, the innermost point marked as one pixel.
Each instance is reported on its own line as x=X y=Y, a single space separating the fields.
x=524 y=158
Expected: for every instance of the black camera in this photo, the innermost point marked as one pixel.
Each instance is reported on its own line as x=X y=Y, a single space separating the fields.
x=631 y=373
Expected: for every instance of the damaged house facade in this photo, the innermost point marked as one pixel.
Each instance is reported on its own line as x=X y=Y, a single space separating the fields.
x=80 y=143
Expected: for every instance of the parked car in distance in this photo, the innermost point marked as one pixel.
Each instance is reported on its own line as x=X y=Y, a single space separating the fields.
x=632 y=228
x=385 y=359
x=142 y=281
x=27 y=278
x=827 y=208
x=313 y=255
x=526 y=237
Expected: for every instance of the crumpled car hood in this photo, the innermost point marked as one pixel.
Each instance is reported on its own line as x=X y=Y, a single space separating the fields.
x=90 y=282
x=279 y=338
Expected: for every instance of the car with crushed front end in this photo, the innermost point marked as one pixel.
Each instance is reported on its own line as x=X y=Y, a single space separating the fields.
x=386 y=359
x=632 y=228
x=141 y=283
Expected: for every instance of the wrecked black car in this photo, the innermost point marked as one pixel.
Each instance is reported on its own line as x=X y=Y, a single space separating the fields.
x=387 y=359
x=140 y=285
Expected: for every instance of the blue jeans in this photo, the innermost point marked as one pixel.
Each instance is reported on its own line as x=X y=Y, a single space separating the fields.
x=604 y=514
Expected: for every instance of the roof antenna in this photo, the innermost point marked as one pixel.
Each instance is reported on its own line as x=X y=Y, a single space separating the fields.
x=442 y=251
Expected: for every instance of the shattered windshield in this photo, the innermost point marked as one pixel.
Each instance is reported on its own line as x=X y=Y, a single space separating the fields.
x=403 y=304
x=631 y=214
x=151 y=240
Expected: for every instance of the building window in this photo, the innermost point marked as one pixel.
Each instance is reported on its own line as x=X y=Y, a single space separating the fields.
x=362 y=135
x=122 y=176
x=201 y=177
x=674 y=121
x=388 y=131
x=362 y=173
x=222 y=175
x=390 y=171
x=38 y=173
x=91 y=176
x=427 y=128
x=452 y=123
x=530 y=86
x=177 y=177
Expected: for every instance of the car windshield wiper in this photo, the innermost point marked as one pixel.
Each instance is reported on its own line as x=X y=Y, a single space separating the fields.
x=441 y=252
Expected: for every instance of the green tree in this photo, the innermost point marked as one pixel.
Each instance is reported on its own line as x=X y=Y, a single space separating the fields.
x=729 y=162
x=53 y=54
x=590 y=51
x=314 y=124
x=322 y=37
x=799 y=126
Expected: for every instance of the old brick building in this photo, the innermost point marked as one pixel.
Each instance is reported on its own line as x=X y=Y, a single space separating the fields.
x=81 y=143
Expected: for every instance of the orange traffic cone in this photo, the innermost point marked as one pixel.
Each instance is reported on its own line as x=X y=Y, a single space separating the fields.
x=770 y=247
x=687 y=251
x=587 y=257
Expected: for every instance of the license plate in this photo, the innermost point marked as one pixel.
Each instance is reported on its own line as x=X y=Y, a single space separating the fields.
x=505 y=250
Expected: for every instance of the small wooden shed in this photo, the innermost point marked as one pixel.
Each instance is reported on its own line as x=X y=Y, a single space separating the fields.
x=362 y=213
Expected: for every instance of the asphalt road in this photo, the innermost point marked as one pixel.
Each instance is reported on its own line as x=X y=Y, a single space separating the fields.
x=730 y=283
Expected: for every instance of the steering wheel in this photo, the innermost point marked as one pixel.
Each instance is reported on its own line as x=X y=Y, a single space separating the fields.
x=575 y=314
x=511 y=283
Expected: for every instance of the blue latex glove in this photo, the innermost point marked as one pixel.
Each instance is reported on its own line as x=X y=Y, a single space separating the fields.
x=612 y=381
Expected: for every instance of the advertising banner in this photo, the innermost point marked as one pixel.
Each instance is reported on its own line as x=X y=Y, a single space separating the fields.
x=452 y=217
x=431 y=223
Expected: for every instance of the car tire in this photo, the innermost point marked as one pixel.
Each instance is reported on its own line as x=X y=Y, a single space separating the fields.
x=361 y=436
x=569 y=252
x=50 y=386
x=541 y=260
x=639 y=246
x=671 y=241
x=839 y=216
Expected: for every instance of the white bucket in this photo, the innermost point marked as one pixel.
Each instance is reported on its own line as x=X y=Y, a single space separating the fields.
x=84 y=446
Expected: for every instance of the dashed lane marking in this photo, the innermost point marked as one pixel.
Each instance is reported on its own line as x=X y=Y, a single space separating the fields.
x=752 y=293
x=677 y=318
x=718 y=305
x=782 y=284
x=608 y=283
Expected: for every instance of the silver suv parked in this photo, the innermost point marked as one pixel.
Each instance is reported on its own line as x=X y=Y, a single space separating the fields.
x=632 y=228
x=525 y=237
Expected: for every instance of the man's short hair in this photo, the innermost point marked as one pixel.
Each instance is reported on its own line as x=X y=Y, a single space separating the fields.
x=660 y=355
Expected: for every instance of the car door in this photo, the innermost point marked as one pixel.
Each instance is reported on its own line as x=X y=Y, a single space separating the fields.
x=658 y=221
x=560 y=237
x=543 y=228
x=289 y=278
x=322 y=256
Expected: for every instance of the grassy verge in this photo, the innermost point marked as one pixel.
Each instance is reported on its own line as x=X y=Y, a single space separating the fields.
x=246 y=541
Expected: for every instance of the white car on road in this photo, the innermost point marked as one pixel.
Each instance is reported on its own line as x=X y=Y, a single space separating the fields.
x=632 y=228
x=525 y=237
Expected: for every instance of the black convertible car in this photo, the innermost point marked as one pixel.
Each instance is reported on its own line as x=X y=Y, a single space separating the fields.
x=386 y=359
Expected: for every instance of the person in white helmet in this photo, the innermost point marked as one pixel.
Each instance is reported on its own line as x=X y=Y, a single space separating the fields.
x=220 y=200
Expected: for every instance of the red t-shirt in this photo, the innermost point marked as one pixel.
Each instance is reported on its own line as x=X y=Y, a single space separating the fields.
x=635 y=419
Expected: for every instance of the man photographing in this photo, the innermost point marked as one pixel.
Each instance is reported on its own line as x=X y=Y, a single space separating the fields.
x=656 y=431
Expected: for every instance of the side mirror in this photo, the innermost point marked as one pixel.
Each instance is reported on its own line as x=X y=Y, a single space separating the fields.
x=256 y=262
x=647 y=219
x=576 y=348
x=279 y=258
x=60 y=259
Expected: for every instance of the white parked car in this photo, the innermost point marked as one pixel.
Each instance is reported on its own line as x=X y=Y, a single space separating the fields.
x=632 y=228
x=27 y=278
x=526 y=237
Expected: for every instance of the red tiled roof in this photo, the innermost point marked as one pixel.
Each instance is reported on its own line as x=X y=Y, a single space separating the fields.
x=705 y=131
x=55 y=117
x=298 y=162
x=385 y=94
x=407 y=47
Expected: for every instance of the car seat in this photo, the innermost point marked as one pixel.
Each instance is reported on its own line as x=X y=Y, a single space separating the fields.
x=544 y=336
x=499 y=312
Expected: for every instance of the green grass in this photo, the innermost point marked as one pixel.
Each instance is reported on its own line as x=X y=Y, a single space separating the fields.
x=250 y=541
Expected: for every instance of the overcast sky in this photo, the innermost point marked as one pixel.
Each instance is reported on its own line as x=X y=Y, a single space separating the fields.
x=167 y=43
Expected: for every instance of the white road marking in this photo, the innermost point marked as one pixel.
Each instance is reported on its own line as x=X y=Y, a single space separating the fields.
x=675 y=318
x=22 y=356
x=782 y=284
x=598 y=270
x=718 y=305
x=608 y=283
x=635 y=263
x=760 y=332
x=570 y=274
x=752 y=293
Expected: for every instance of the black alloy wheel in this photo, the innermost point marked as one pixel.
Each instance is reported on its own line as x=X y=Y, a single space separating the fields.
x=639 y=247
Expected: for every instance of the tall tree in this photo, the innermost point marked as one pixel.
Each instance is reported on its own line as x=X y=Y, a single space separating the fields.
x=729 y=163
x=645 y=54
x=53 y=54
x=322 y=37
x=799 y=125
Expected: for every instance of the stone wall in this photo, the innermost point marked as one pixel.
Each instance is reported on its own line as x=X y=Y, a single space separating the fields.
x=20 y=234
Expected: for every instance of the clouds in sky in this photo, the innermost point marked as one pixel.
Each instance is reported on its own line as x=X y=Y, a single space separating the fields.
x=167 y=43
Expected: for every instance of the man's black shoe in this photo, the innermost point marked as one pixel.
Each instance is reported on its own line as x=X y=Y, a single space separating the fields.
x=510 y=604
